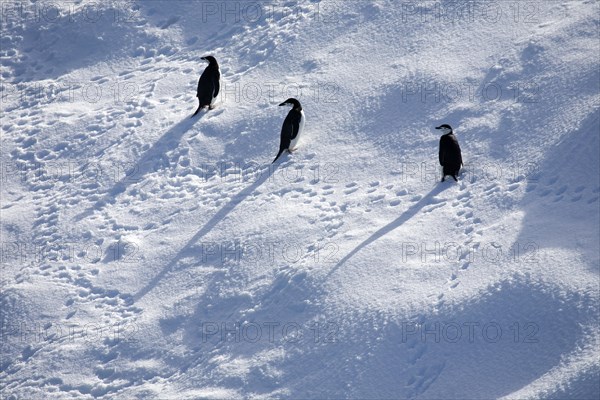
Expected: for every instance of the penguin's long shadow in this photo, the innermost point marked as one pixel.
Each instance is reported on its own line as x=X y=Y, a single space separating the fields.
x=408 y=214
x=169 y=141
x=220 y=215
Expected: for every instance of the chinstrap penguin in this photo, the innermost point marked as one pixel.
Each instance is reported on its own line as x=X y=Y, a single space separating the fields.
x=450 y=155
x=292 y=127
x=208 y=84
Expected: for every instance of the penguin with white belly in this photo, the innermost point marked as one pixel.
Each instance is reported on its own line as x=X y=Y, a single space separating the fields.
x=292 y=128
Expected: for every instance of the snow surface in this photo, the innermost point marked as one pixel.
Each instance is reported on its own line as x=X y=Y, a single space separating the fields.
x=149 y=255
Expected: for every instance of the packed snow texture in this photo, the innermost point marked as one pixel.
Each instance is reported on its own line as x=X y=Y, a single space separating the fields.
x=150 y=255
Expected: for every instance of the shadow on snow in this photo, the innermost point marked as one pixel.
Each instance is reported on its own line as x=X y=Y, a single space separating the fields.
x=219 y=216
x=147 y=163
x=408 y=214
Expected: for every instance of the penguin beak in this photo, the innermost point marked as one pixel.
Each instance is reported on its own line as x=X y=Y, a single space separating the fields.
x=438 y=127
x=282 y=104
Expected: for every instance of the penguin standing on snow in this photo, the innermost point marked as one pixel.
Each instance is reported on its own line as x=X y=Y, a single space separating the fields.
x=292 y=127
x=450 y=156
x=209 y=84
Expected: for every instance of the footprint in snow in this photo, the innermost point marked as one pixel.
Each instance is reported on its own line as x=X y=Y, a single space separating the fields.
x=561 y=190
x=513 y=187
x=351 y=188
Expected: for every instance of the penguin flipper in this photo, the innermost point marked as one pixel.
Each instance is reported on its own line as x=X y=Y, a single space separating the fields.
x=216 y=84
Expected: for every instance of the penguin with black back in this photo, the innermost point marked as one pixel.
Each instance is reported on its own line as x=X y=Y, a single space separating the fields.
x=209 y=84
x=292 y=128
x=450 y=155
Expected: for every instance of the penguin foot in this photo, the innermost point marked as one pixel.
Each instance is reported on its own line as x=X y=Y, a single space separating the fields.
x=197 y=111
x=443 y=178
x=292 y=150
x=456 y=179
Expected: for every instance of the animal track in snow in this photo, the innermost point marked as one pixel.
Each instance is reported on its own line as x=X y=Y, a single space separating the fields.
x=556 y=192
x=351 y=188
x=424 y=377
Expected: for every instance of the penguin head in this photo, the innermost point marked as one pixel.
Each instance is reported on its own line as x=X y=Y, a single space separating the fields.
x=211 y=60
x=292 y=102
x=445 y=128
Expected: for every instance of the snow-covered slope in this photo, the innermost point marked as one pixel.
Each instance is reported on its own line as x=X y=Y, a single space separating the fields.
x=146 y=254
